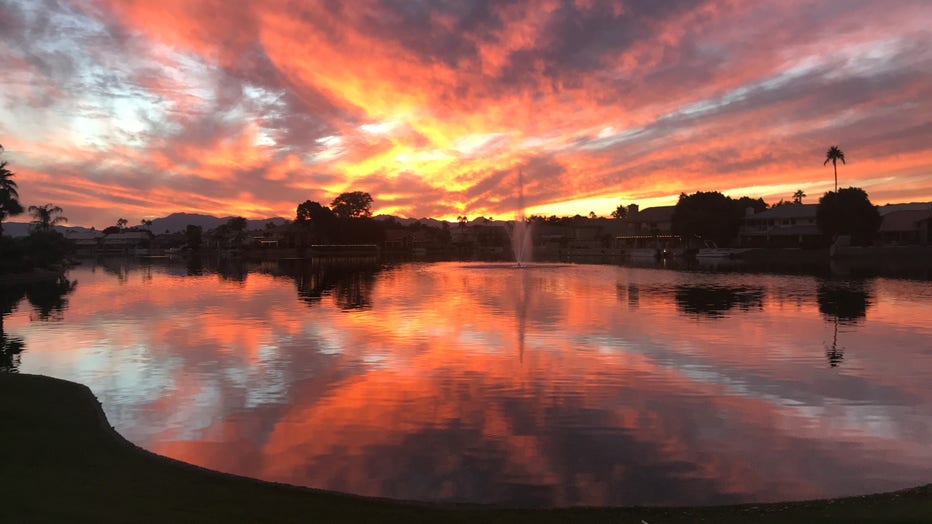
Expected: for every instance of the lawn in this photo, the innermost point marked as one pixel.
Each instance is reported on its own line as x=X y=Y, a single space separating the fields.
x=63 y=463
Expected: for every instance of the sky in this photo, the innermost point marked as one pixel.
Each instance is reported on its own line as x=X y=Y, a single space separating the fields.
x=137 y=109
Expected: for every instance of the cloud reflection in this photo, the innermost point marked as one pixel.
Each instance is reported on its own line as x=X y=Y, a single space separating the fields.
x=425 y=393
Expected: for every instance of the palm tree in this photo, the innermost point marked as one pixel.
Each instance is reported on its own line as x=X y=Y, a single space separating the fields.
x=834 y=154
x=9 y=198
x=46 y=216
x=798 y=196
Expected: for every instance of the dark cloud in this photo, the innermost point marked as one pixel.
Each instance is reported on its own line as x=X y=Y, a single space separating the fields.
x=602 y=97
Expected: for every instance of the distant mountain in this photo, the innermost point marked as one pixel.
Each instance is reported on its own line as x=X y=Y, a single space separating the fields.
x=431 y=222
x=21 y=229
x=174 y=223
x=178 y=222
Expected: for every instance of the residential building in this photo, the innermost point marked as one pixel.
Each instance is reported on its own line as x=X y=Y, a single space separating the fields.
x=907 y=227
x=787 y=225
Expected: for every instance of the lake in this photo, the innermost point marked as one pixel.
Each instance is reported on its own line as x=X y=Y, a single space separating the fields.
x=550 y=385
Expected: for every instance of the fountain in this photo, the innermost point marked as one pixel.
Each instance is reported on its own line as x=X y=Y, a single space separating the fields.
x=521 y=244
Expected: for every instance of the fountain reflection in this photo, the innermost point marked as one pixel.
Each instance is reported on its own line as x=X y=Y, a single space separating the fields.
x=481 y=383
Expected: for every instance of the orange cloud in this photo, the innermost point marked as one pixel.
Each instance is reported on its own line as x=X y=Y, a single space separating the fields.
x=232 y=111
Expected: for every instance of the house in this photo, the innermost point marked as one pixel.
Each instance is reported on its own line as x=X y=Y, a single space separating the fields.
x=125 y=242
x=650 y=221
x=787 y=225
x=85 y=242
x=906 y=227
x=397 y=240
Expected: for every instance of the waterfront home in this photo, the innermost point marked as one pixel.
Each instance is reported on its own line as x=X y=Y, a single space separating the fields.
x=85 y=242
x=784 y=226
x=907 y=227
x=125 y=242
x=649 y=221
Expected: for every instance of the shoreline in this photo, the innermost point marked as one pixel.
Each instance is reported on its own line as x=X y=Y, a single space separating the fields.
x=64 y=462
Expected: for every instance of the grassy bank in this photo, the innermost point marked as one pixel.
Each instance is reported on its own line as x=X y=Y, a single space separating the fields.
x=62 y=463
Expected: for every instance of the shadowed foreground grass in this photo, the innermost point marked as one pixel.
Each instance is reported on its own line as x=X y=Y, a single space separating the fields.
x=61 y=462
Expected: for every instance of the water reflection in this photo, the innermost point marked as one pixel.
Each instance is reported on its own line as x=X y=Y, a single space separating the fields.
x=486 y=383
x=10 y=346
x=350 y=280
x=845 y=302
x=715 y=301
x=48 y=298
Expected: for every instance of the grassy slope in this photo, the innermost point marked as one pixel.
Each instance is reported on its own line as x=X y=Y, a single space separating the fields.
x=60 y=462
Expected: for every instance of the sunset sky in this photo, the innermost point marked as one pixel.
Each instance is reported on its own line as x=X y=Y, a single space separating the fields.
x=141 y=108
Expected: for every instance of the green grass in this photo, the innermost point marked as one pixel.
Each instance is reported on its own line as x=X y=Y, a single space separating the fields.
x=61 y=462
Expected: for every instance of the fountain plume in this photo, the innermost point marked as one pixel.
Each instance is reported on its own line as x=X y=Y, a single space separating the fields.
x=521 y=244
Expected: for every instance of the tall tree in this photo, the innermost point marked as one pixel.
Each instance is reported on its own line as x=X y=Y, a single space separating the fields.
x=193 y=236
x=798 y=196
x=9 y=198
x=121 y=223
x=712 y=216
x=46 y=216
x=309 y=212
x=237 y=226
x=352 y=205
x=834 y=154
x=848 y=212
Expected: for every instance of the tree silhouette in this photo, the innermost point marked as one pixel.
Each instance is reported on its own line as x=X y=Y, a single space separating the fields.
x=46 y=216
x=237 y=226
x=707 y=215
x=848 y=212
x=352 y=205
x=798 y=196
x=193 y=236
x=121 y=223
x=309 y=212
x=834 y=154
x=620 y=212
x=9 y=198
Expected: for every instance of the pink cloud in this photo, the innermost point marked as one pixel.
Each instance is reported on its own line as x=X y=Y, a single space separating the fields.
x=626 y=101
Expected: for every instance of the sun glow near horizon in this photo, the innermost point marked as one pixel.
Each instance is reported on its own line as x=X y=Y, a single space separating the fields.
x=125 y=109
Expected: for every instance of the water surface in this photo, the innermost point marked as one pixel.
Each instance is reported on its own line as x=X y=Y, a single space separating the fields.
x=550 y=385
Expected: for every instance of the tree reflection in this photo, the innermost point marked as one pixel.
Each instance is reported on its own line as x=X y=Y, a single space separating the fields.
x=715 y=301
x=10 y=349
x=194 y=266
x=48 y=300
x=842 y=302
x=349 y=280
x=846 y=300
x=10 y=346
x=232 y=269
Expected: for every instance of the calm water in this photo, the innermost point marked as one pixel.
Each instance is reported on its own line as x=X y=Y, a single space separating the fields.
x=544 y=386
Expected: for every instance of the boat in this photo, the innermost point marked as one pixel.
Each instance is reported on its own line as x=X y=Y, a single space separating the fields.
x=712 y=252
